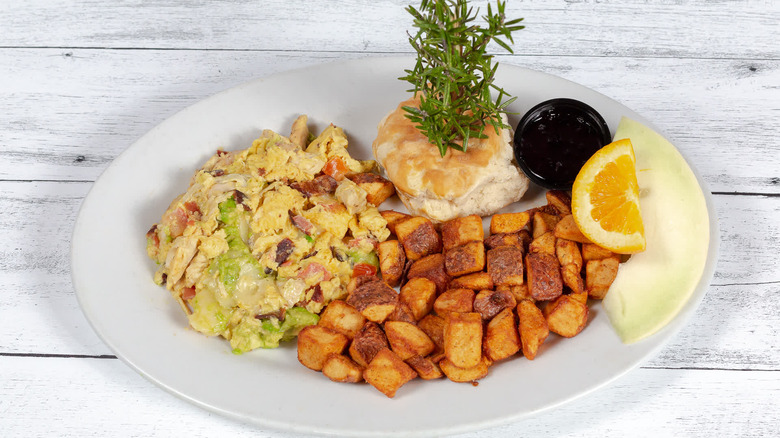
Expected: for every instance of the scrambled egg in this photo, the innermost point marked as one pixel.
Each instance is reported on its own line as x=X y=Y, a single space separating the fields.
x=265 y=237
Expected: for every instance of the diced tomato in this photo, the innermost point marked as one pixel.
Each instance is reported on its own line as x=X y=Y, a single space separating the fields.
x=335 y=168
x=192 y=207
x=188 y=293
x=363 y=269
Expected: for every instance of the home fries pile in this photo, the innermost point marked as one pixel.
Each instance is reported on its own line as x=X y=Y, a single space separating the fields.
x=465 y=301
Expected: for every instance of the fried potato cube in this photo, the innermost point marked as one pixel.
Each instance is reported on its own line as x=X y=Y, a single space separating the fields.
x=505 y=265
x=599 y=275
x=418 y=237
x=425 y=367
x=568 y=253
x=560 y=200
x=432 y=268
x=393 y=217
x=369 y=341
x=547 y=208
x=433 y=326
x=520 y=292
x=567 y=229
x=392 y=261
x=407 y=340
x=490 y=303
x=403 y=313
x=566 y=316
x=543 y=244
x=387 y=372
x=437 y=356
x=543 y=223
x=316 y=342
x=503 y=239
x=525 y=239
x=468 y=374
x=465 y=259
x=544 y=276
x=462 y=230
x=377 y=188
x=509 y=222
x=591 y=251
x=582 y=297
x=343 y=318
x=419 y=294
x=502 y=338
x=475 y=281
x=454 y=300
x=532 y=327
x=375 y=300
x=340 y=368
x=463 y=339
x=354 y=282
x=572 y=279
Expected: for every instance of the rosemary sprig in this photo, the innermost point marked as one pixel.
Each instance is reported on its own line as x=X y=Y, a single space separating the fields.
x=454 y=73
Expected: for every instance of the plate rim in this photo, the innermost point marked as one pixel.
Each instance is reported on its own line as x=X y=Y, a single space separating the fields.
x=680 y=321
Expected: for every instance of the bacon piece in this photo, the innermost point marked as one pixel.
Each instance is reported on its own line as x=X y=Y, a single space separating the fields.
x=313 y=269
x=301 y=222
x=240 y=197
x=283 y=250
x=317 y=296
x=152 y=234
x=321 y=185
x=338 y=254
x=279 y=314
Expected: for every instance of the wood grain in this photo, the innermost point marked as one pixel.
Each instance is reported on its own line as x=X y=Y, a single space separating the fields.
x=76 y=110
x=677 y=29
x=647 y=402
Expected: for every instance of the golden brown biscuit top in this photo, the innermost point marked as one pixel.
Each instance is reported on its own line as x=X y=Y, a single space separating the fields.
x=415 y=165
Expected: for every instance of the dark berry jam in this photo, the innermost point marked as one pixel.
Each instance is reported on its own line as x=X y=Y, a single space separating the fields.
x=555 y=138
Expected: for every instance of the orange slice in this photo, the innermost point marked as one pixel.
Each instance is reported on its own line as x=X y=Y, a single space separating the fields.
x=605 y=199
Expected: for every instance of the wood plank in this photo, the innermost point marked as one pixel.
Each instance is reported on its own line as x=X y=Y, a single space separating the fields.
x=121 y=403
x=693 y=28
x=66 y=129
x=736 y=326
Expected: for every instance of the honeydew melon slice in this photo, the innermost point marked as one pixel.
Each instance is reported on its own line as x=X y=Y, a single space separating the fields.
x=653 y=286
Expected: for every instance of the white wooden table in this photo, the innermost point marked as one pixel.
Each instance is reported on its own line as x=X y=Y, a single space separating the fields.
x=81 y=80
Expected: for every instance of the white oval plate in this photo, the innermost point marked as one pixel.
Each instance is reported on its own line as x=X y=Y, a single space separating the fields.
x=143 y=325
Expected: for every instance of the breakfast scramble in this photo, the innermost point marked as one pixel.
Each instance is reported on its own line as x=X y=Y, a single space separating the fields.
x=265 y=237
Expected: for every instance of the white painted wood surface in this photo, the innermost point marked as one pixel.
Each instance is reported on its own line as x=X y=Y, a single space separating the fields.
x=81 y=80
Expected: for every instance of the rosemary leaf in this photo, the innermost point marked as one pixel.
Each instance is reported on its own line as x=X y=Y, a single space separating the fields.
x=454 y=73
